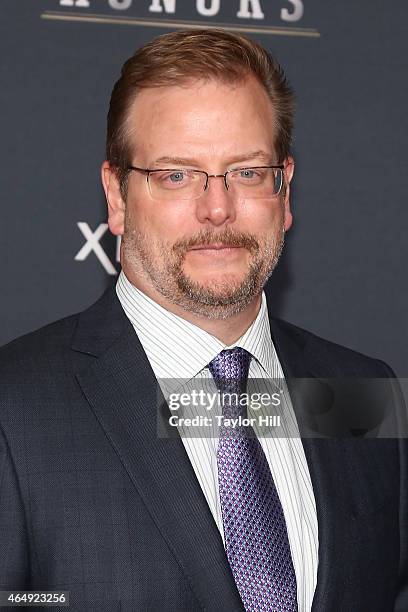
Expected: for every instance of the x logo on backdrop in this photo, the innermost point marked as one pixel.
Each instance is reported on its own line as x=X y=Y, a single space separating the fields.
x=93 y=245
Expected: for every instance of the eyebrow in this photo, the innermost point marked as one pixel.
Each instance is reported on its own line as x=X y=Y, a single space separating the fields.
x=236 y=159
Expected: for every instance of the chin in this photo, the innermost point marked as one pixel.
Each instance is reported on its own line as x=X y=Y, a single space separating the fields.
x=219 y=282
x=225 y=275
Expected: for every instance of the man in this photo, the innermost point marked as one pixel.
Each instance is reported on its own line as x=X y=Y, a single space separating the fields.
x=93 y=500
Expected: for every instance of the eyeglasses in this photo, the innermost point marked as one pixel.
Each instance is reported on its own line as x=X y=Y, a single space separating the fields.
x=184 y=184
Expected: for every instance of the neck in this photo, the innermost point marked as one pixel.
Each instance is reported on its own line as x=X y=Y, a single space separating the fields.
x=226 y=330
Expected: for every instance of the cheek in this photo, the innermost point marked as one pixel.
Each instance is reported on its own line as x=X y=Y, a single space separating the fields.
x=261 y=215
x=146 y=216
x=166 y=221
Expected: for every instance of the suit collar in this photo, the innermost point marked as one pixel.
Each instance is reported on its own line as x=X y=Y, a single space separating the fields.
x=100 y=325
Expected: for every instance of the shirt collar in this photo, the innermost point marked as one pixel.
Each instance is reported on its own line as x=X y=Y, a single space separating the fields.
x=177 y=348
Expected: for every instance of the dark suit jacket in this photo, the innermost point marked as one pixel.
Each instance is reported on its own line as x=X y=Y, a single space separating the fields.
x=91 y=501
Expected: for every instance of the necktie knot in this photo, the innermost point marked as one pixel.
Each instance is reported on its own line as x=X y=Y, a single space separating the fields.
x=230 y=370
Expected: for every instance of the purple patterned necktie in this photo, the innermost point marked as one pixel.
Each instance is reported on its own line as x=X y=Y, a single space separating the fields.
x=256 y=539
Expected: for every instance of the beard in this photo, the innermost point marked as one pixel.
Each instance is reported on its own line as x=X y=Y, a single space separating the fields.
x=162 y=265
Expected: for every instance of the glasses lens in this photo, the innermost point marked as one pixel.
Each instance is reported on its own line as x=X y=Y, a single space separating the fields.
x=256 y=182
x=176 y=184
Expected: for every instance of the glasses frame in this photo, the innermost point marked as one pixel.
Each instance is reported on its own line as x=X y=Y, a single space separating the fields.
x=149 y=171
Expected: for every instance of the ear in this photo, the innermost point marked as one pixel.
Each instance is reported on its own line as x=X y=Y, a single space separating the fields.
x=288 y=174
x=116 y=205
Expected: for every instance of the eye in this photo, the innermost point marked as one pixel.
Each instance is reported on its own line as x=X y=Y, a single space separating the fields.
x=173 y=178
x=176 y=177
x=248 y=173
x=247 y=176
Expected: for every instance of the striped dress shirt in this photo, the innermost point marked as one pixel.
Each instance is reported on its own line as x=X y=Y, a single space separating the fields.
x=180 y=351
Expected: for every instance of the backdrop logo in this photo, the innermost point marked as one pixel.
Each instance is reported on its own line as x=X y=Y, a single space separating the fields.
x=93 y=245
x=281 y=17
x=247 y=9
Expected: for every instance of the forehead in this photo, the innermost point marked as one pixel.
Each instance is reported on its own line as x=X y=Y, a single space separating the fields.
x=201 y=118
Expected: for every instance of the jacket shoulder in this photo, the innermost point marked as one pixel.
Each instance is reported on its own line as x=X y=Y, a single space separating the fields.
x=29 y=350
x=329 y=354
x=50 y=348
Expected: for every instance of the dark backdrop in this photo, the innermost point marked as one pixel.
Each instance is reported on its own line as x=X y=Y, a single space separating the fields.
x=343 y=274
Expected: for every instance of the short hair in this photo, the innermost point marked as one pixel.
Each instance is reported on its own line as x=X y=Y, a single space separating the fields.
x=179 y=56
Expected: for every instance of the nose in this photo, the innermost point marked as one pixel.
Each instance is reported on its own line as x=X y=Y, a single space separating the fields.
x=216 y=205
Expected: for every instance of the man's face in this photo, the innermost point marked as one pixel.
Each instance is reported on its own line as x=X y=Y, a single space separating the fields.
x=212 y=255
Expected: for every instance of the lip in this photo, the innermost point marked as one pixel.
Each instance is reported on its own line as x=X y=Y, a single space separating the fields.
x=213 y=247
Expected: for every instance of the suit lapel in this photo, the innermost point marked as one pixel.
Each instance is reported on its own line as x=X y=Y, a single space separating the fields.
x=122 y=390
x=324 y=458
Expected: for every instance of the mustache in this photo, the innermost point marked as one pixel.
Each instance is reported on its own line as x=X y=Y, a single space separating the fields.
x=227 y=237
